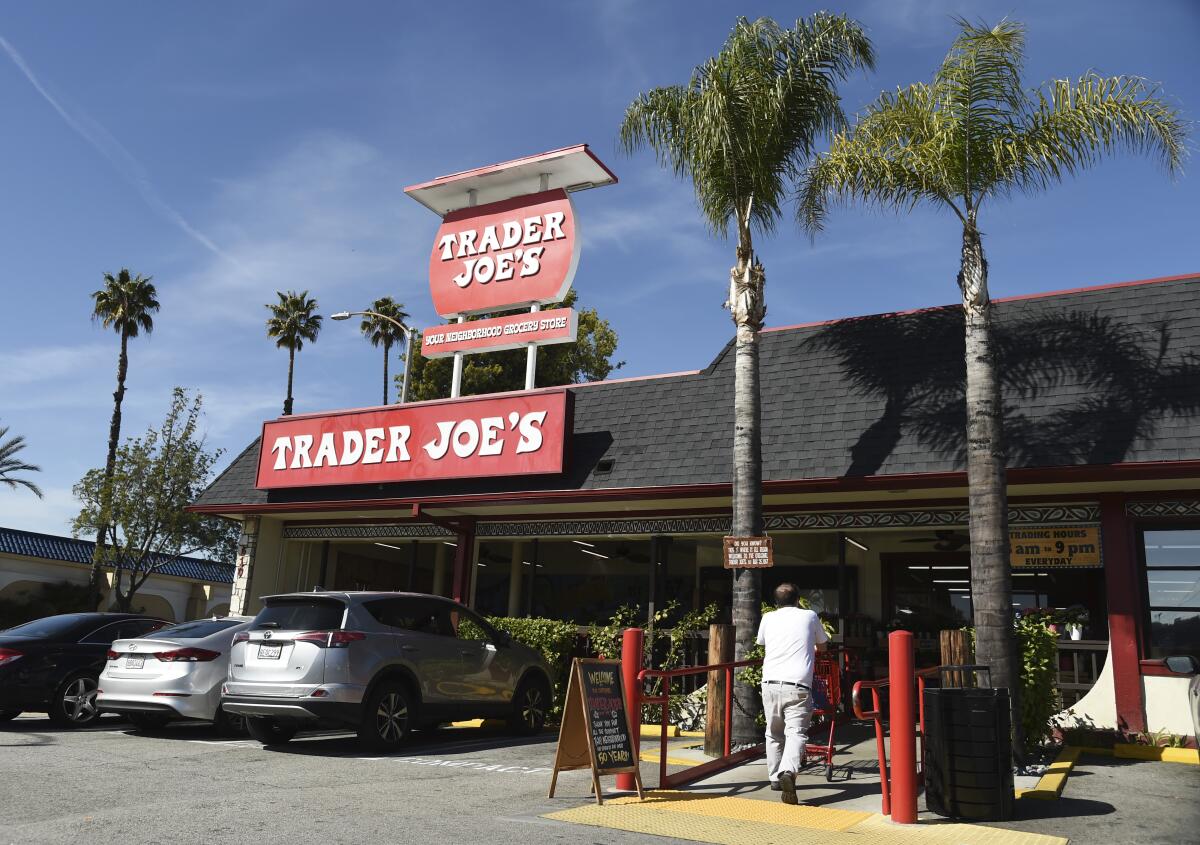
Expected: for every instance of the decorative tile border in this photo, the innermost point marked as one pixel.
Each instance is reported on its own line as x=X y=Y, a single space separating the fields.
x=813 y=521
x=1186 y=509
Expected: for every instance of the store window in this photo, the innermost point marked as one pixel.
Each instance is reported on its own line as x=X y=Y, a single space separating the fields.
x=1172 y=591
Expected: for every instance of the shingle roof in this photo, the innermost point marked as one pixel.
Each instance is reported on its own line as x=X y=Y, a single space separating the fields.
x=70 y=550
x=1091 y=377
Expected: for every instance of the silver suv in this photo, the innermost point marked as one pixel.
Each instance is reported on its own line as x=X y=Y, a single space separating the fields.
x=381 y=663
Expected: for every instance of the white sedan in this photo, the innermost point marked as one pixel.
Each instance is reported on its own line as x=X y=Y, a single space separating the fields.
x=174 y=673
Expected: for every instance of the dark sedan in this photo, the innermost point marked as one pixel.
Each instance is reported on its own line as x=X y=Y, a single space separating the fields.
x=51 y=665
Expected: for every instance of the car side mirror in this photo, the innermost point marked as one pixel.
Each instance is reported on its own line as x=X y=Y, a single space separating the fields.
x=503 y=638
x=1183 y=664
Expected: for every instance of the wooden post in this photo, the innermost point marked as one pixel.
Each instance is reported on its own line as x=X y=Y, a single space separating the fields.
x=955 y=652
x=720 y=650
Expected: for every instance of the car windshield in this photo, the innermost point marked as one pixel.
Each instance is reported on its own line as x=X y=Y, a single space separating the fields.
x=51 y=626
x=301 y=615
x=195 y=630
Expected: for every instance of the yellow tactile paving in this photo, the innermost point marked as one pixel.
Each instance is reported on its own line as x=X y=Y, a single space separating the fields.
x=725 y=820
x=817 y=818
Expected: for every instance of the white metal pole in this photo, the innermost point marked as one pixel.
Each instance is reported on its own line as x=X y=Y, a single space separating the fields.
x=408 y=362
x=456 y=378
x=531 y=357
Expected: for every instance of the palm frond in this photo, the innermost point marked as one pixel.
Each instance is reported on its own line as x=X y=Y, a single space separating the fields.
x=1073 y=125
x=293 y=320
x=751 y=114
x=10 y=464
x=381 y=332
x=126 y=303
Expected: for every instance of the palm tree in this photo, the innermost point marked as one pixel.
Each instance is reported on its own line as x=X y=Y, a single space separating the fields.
x=740 y=129
x=383 y=332
x=125 y=305
x=292 y=322
x=974 y=134
x=10 y=463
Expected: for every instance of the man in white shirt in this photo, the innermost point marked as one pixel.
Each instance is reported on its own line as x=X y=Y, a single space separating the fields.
x=792 y=636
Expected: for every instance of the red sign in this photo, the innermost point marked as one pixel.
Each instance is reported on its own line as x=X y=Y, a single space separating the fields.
x=509 y=332
x=506 y=254
x=523 y=434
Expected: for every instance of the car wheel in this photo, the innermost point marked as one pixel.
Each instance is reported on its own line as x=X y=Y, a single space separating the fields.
x=229 y=724
x=387 y=717
x=531 y=705
x=269 y=731
x=149 y=721
x=74 y=705
x=9 y=715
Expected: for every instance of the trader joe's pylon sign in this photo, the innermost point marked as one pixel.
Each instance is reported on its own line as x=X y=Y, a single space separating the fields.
x=508 y=240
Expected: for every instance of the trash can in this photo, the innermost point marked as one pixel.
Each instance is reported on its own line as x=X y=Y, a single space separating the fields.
x=968 y=754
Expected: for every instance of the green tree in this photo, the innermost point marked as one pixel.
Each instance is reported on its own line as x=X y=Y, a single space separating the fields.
x=588 y=359
x=125 y=305
x=142 y=508
x=293 y=320
x=10 y=463
x=741 y=129
x=383 y=332
x=974 y=134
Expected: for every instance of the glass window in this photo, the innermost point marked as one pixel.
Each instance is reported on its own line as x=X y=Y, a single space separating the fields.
x=197 y=629
x=301 y=614
x=106 y=634
x=51 y=627
x=1172 y=591
x=422 y=616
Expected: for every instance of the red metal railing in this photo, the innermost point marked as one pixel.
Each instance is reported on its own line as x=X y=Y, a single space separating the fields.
x=727 y=759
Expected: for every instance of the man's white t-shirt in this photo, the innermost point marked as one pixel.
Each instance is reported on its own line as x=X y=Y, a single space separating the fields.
x=790 y=635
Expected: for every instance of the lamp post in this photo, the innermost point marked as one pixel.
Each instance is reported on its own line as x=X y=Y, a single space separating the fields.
x=409 y=334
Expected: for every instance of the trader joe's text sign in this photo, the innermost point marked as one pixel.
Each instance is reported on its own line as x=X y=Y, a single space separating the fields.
x=1055 y=546
x=504 y=255
x=467 y=438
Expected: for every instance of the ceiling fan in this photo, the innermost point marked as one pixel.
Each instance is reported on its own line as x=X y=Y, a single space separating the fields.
x=943 y=541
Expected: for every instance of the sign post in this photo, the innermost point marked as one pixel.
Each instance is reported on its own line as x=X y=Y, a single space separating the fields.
x=594 y=733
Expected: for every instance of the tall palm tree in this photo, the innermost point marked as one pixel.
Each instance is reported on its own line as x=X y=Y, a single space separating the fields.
x=971 y=135
x=125 y=305
x=10 y=463
x=293 y=320
x=383 y=332
x=740 y=129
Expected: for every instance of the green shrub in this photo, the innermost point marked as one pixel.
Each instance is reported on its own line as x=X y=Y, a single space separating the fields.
x=46 y=600
x=1040 y=700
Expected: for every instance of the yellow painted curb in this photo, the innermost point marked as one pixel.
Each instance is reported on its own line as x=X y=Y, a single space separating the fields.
x=1190 y=756
x=1051 y=784
x=656 y=730
x=652 y=757
x=1129 y=751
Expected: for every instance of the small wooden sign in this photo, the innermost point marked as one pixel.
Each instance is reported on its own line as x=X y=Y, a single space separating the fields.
x=1055 y=547
x=749 y=553
x=595 y=733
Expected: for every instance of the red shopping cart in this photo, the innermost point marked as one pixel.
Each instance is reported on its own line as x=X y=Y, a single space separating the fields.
x=827 y=700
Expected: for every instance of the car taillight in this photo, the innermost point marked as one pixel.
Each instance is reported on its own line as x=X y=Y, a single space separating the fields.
x=330 y=639
x=113 y=655
x=187 y=655
x=241 y=637
x=8 y=655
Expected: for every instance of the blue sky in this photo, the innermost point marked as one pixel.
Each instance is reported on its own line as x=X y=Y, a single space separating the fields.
x=233 y=149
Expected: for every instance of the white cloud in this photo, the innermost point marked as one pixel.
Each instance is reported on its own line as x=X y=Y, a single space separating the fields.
x=37 y=365
x=22 y=510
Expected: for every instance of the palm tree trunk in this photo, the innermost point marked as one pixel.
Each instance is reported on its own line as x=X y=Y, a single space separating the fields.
x=110 y=463
x=386 y=352
x=991 y=578
x=287 y=403
x=747 y=308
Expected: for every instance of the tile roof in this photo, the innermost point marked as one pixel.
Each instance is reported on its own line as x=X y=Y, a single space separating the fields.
x=70 y=550
x=1090 y=377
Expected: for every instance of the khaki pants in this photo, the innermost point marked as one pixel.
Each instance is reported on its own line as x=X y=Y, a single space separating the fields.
x=788 y=710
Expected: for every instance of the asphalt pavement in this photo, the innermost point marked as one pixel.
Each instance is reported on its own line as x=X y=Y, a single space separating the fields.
x=111 y=784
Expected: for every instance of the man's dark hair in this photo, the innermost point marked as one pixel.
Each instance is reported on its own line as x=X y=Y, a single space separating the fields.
x=786 y=595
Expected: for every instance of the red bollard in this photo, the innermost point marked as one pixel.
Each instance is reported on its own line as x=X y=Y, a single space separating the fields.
x=902 y=673
x=631 y=665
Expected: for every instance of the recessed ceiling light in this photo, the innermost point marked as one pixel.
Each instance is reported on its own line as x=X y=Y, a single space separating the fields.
x=594 y=554
x=390 y=546
x=582 y=543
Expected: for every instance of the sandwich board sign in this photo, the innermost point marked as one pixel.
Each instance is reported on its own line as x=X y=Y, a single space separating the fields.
x=595 y=732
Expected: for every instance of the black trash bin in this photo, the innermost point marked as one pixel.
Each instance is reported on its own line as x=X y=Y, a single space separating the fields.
x=968 y=754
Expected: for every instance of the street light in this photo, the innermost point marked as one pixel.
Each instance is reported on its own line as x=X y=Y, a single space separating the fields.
x=409 y=334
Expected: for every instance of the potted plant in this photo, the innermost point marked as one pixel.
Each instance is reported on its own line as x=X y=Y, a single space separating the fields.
x=1073 y=619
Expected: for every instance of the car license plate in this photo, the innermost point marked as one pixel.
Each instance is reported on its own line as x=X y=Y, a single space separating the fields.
x=133 y=662
x=269 y=652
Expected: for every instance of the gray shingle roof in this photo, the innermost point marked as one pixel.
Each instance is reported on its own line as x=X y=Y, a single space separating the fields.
x=1092 y=377
x=70 y=550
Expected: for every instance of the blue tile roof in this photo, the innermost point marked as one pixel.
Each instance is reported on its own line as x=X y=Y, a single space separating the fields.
x=70 y=550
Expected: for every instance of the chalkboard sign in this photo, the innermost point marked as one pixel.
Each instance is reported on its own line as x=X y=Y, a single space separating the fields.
x=595 y=731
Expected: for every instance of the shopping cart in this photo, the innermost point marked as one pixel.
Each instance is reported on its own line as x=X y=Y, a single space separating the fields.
x=827 y=700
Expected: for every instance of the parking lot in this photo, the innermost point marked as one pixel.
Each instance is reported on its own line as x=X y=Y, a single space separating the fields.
x=111 y=784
